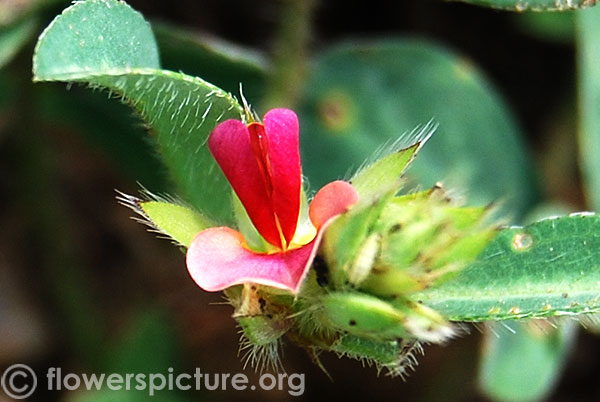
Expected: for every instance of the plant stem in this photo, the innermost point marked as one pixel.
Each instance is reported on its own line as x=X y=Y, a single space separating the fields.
x=290 y=54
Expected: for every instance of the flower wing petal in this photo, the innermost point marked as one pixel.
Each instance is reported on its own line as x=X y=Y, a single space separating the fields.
x=217 y=259
x=331 y=200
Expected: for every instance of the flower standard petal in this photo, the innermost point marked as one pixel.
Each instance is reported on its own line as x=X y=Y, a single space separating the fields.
x=281 y=128
x=230 y=144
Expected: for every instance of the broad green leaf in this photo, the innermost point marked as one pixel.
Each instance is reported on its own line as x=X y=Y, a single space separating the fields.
x=588 y=32
x=522 y=361
x=178 y=222
x=221 y=63
x=535 y=5
x=549 y=268
x=14 y=37
x=105 y=43
x=361 y=96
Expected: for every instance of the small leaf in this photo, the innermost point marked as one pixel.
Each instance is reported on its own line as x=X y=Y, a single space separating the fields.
x=549 y=268
x=535 y=5
x=107 y=44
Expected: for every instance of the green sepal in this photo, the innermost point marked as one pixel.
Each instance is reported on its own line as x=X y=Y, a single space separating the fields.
x=345 y=241
x=262 y=330
x=178 y=222
x=367 y=316
x=382 y=352
x=378 y=177
x=422 y=238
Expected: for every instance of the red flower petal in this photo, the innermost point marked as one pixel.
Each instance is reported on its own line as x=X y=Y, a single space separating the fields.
x=217 y=259
x=262 y=163
x=331 y=200
x=281 y=127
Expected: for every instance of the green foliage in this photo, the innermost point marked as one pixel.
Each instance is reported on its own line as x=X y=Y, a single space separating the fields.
x=535 y=5
x=361 y=96
x=545 y=269
x=522 y=361
x=588 y=26
x=88 y=44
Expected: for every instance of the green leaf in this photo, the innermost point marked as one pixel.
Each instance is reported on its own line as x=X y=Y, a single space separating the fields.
x=106 y=44
x=536 y=5
x=549 y=268
x=361 y=96
x=14 y=37
x=524 y=364
x=588 y=31
x=94 y=37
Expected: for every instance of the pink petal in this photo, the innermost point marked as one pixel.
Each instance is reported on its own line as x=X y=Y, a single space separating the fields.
x=217 y=259
x=331 y=200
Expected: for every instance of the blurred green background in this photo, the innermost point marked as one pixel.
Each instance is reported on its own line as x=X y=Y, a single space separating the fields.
x=83 y=287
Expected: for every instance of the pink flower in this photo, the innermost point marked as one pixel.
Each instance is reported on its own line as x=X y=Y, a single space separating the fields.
x=262 y=163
